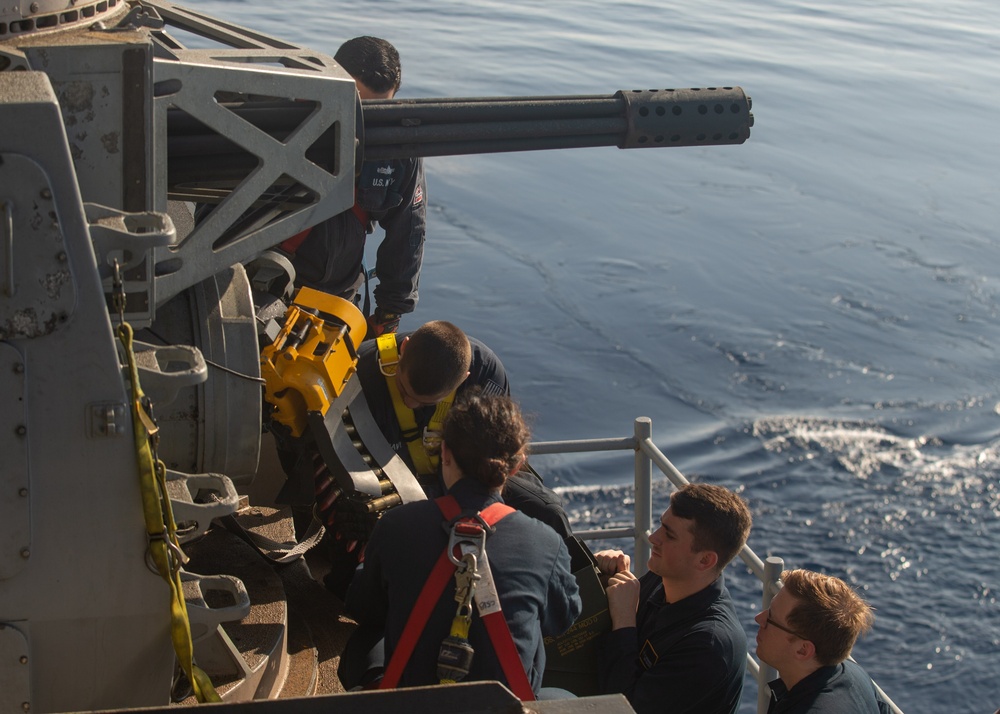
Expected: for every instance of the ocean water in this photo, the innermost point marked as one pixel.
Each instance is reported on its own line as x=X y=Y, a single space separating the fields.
x=810 y=318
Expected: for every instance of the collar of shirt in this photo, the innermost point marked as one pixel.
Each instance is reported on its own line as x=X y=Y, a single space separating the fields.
x=472 y=494
x=692 y=606
x=813 y=682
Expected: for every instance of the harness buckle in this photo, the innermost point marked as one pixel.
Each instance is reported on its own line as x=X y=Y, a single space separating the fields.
x=388 y=369
x=432 y=441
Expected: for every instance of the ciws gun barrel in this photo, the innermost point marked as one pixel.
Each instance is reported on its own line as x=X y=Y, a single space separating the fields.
x=628 y=120
x=399 y=128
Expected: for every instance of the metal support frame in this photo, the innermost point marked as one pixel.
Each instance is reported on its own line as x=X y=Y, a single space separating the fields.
x=643 y=495
x=251 y=66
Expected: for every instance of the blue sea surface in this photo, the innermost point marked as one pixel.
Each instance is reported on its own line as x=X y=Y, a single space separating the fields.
x=810 y=318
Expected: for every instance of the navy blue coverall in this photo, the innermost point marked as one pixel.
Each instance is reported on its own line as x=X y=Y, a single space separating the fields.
x=393 y=193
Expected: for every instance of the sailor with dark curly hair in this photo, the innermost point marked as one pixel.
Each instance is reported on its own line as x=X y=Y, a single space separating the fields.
x=484 y=443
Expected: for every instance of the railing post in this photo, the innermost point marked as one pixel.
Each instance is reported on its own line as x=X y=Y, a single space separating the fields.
x=772 y=573
x=643 y=495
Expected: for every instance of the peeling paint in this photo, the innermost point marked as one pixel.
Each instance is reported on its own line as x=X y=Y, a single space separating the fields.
x=78 y=96
x=53 y=282
x=110 y=141
x=25 y=323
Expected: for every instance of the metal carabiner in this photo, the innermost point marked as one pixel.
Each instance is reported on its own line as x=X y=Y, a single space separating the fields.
x=431 y=441
x=465 y=588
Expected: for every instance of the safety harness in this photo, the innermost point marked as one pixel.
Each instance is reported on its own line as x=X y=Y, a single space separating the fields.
x=465 y=557
x=424 y=447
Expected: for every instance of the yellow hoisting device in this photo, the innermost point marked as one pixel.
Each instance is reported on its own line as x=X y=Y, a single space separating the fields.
x=312 y=358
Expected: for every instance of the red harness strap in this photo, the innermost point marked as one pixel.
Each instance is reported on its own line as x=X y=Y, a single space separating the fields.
x=496 y=625
x=291 y=245
x=362 y=216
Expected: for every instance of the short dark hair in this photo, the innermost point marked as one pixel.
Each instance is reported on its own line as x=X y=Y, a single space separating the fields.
x=372 y=61
x=722 y=519
x=827 y=612
x=436 y=358
x=487 y=436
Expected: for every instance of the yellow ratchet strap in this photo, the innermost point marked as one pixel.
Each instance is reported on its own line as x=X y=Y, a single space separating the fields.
x=425 y=460
x=161 y=530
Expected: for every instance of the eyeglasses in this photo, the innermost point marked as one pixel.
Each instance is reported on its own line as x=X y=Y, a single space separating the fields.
x=768 y=622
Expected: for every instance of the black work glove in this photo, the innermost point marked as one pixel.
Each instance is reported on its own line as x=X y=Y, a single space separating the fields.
x=381 y=323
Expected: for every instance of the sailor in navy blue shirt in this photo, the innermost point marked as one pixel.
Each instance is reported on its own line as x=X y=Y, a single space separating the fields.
x=842 y=688
x=524 y=490
x=434 y=361
x=530 y=566
x=485 y=371
x=484 y=442
x=676 y=643
x=390 y=192
x=807 y=634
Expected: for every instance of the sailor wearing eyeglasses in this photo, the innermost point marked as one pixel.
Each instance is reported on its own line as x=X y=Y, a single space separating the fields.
x=807 y=635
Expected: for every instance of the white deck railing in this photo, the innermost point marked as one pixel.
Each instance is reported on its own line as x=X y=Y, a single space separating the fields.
x=646 y=455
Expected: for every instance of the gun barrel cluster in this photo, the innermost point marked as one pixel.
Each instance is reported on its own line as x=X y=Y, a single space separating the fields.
x=400 y=128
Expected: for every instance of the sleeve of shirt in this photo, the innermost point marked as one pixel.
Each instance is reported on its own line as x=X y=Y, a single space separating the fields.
x=523 y=492
x=683 y=681
x=618 y=663
x=563 y=604
x=401 y=253
x=488 y=371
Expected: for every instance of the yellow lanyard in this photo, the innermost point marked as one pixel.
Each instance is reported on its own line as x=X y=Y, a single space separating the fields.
x=164 y=549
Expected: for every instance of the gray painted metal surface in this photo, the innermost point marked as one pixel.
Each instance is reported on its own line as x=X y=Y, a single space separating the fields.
x=83 y=586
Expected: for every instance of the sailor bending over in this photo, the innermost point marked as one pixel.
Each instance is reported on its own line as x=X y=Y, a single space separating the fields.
x=390 y=192
x=410 y=381
x=436 y=364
